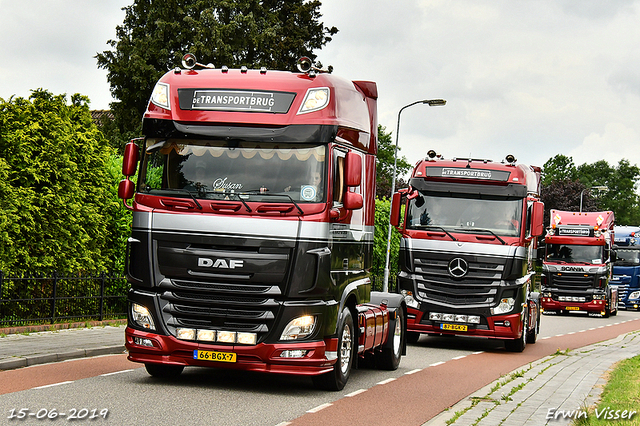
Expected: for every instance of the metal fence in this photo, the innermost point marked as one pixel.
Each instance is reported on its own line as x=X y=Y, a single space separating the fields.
x=37 y=299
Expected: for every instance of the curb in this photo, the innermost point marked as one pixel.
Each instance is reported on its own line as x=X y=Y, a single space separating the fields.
x=19 y=362
x=59 y=326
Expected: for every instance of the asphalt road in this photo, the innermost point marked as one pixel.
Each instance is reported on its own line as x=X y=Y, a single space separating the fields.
x=226 y=397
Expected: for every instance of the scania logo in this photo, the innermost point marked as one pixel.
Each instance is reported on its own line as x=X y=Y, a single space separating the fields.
x=458 y=267
x=572 y=268
x=220 y=263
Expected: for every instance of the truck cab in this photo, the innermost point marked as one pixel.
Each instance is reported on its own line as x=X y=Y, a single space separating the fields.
x=467 y=249
x=626 y=268
x=252 y=195
x=577 y=265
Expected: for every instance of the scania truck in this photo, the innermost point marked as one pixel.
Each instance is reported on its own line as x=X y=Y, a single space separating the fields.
x=626 y=268
x=577 y=264
x=253 y=219
x=467 y=250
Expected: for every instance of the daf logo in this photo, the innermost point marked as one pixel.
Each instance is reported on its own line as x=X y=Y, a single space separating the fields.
x=572 y=268
x=458 y=267
x=220 y=263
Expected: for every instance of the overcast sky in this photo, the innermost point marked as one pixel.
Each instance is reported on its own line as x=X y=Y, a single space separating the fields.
x=523 y=77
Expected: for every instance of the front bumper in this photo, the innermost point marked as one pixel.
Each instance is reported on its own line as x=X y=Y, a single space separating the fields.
x=263 y=357
x=548 y=304
x=495 y=327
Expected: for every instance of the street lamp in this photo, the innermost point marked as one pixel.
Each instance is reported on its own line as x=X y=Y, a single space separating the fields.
x=597 y=188
x=430 y=102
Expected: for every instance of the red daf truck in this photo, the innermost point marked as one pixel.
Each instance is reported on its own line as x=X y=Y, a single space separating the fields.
x=468 y=248
x=253 y=224
x=578 y=263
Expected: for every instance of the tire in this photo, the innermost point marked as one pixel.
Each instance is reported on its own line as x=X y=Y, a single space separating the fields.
x=412 y=337
x=389 y=357
x=518 y=345
x=337 y=378
x=163 y=371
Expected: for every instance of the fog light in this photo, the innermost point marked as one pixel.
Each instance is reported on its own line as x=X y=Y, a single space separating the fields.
x=247 y=338
x=507 y=323
x=142 y=317
x=298 y=353
x=226 y=336
x=207 y=335
x=186 y=333
x=143 y=342
x=299 y=328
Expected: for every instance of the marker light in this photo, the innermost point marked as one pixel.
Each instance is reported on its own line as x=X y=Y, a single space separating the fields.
x=186 y=333
x=206 y=335
x=160 y=95
x=299 y=328
x=315 y=100
x=142 y=317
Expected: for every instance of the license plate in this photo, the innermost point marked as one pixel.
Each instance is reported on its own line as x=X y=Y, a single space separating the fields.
x=572 y=308
x=214 y=356
x=453 y=327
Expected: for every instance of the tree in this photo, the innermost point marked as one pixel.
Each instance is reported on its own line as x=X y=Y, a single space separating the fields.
x=57 y=212
x=253 y=33
x=563 y=183
x=558 y=168
x=565 y=195
x=384 y=165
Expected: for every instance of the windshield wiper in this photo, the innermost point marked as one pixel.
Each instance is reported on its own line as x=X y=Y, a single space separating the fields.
x=439 y=228
x=273 y=195
x=184 y=191
x=486 y=231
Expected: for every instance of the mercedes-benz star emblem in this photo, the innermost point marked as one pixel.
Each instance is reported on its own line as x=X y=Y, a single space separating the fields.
x=458 y=267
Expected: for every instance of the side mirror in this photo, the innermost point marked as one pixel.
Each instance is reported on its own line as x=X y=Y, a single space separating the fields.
x=352 y=201
x=130 y=159
x=613 y=256
x=126 y=189
x=537 y=219
x=353 y=172
x=395 y=209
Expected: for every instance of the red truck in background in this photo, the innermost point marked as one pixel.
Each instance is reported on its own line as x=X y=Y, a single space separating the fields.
x=253 y=225
x=577 y=265
x=468 y=248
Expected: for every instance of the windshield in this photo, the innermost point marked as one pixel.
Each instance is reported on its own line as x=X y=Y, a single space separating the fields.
x=627 y=257
x=213 y=169
x=569 y=253
x=500 y=216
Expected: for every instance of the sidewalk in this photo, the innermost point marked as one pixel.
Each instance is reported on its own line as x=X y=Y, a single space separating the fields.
x=563 y=384
x=22 y=350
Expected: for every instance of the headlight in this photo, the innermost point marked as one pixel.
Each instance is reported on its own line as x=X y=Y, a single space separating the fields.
x=634 y=295
x=505 y=305
x=299 y=328
x=409 y=300
x=141 y=316
x=160 y=95
x=315 y=100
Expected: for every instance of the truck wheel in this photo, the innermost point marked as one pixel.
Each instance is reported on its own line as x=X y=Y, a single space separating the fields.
x=412 y=337
x=163 y=371
x=389 y=357
x=532 y=335
x=336 y=379
x=518 y=345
